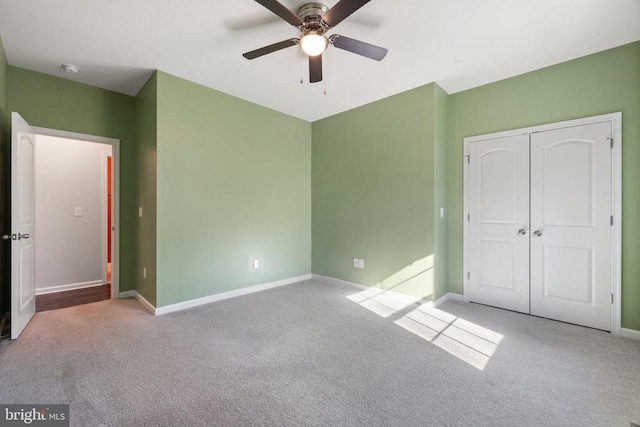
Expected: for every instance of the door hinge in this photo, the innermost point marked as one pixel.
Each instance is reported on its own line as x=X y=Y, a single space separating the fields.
x=611 y=221
x=611 y=298
x=611 y=141
x=468 y=275
x=468 y=159
x=468 y=217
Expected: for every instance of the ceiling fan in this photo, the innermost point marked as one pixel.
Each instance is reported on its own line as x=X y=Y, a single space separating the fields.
x=314 y=20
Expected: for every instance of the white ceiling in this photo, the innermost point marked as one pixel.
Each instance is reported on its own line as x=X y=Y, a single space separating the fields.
x=459 y=44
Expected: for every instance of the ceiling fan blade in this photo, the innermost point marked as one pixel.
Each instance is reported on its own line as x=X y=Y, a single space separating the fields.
x=341 y=10
x=356 y=46
x=281 y=11
x=315 y=69
x=271 y=48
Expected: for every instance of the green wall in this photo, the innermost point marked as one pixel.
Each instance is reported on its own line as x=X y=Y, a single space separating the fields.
x=5 y=276
x=233 y=184
x=145 y=181
x=441 y=171
x=56 y=103
x=374 y=192
x=605 y=82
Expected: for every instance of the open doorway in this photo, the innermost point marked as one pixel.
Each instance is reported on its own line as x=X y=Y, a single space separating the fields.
x=74 y=220
x=23 y=216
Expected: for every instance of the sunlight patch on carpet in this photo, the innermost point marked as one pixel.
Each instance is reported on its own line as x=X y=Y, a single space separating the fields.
x=465 y=340
x=382 y=302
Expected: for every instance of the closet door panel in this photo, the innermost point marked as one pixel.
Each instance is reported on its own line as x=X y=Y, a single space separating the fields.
x=570 y=221
x=499 y=222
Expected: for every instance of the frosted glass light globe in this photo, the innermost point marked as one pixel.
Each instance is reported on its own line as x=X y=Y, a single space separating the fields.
x=314 y=44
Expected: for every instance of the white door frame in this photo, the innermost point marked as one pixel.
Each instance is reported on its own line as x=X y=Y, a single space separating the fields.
x=616 y=201
x=115 y=198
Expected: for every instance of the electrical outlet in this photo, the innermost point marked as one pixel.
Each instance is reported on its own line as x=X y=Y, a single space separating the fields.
x=360 y=263
x=77 y=211
x=144 y=272
x=140 y=212
x=355 y=262
x=256 y=264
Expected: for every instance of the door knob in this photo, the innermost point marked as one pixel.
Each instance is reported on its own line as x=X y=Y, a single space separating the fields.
x=537 y=233
x=14 y=236
x=522 y=232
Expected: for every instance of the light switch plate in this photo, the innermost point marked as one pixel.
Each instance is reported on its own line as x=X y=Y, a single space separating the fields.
x=355 y=262
x=360 y=263
x=256 y=264
x=140 y=212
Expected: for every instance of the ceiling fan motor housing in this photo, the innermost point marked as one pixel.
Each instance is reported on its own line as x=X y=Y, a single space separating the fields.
x=311 y=15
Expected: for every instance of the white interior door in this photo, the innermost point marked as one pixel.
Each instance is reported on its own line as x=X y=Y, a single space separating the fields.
x=499 y=222
x=570 y=219
x=23 y=301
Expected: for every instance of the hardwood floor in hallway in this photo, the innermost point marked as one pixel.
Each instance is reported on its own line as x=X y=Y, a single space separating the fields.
x=64 y=299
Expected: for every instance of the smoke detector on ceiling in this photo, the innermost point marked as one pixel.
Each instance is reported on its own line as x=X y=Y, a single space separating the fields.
x=70 y=68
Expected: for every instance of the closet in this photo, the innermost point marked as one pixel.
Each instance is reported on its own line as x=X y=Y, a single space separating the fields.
x=539 y=222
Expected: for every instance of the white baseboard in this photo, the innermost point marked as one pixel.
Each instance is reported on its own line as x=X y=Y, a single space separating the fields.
x=226 y=295
x=262 y=287
x=68 y=287
x=142 y=300
x=209 y=299
x=630 y=333
x=449 y=296
x=334 y=281
x=408 y=299
x=127 y=294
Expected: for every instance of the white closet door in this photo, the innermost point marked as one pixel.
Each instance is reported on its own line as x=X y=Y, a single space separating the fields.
x=570 y=223
x=499 y=222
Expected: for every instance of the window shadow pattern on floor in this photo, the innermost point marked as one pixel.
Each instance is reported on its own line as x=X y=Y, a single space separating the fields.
x=469 y=342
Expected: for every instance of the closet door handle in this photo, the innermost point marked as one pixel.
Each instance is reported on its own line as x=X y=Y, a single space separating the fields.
x=537 y=233
x=522 y=232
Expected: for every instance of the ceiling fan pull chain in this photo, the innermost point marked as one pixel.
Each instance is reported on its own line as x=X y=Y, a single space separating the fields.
x=301 y=65
x=324 y=64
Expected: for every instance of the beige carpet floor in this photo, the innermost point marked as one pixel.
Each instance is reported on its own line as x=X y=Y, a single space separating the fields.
x=313 y=354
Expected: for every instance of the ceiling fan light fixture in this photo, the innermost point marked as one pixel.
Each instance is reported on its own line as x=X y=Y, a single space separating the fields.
x=314 y=43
